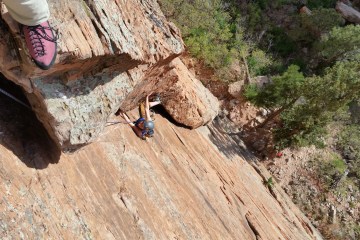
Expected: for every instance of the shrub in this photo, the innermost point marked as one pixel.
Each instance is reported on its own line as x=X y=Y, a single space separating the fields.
x=259 y=62
x=341 y=44
x=282 y=43
x=269 y=183
x=338 y=165
x=349 y=146
x=332 y=168
x=321 y=4
x=312 y=27
x=356 y=229
x=251 y=92
x=255 y=17
x=208 y=30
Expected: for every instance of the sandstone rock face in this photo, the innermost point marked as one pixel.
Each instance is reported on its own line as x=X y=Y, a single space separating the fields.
x=188 y=101
x=110 y=55
x=236 y=88
x=180 y=184
x=261 y=81
x=347 y=12
x=96 y=35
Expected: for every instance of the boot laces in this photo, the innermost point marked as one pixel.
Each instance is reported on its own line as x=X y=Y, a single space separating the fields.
x=37 y=34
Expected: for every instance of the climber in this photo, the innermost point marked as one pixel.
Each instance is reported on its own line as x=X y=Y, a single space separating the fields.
x=39 y=36
x=144 y=126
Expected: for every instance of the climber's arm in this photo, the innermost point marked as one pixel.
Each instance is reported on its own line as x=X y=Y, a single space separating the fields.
x=147 y=108
x=124 y=116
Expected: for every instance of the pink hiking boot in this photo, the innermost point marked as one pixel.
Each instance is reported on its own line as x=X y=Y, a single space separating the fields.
x=41 y=42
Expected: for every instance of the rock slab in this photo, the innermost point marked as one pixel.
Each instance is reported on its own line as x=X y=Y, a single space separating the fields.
x=181 y=184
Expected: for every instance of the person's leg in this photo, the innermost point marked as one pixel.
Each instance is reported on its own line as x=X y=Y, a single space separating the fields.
x=124 y=116
x=142 y=111
x=151 y=104
x=39 y=35
x=28 y=12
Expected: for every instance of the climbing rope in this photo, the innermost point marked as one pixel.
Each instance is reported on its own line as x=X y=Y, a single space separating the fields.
x=14 y=98
x=28 y=107
x=113 y=123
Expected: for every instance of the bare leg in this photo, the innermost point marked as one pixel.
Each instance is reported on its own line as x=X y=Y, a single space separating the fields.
x=147 y=108
x=151 y=104
x=124 y=116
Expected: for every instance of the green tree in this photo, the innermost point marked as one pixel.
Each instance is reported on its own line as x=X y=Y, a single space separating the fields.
x=255 y=17
x=306 y=104
x=321 y=97
x=341 y=44
x=283 y=44
x=349 y=145
x=258 y=62
x=284 y=89
x=320 y=4
x=208 y=30
x=281 y=94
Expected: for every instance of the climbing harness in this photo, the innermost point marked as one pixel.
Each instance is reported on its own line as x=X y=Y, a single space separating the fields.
x=14 y=98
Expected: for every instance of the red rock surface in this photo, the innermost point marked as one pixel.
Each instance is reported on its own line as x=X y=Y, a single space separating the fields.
x=187 y=100
x=111 y=54
x=181 y=184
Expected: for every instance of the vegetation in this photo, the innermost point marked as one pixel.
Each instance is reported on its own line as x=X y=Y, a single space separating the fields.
x=305 y=96
x=341 y=44
x=321 y=4
x=313 y=62
x=310 y=29
x=213 y=31
x=321 y=98
x=210 y=33
x=269 y=182
x=332 y=168
x=259 y=62
x=306 y=104
x=349 y=145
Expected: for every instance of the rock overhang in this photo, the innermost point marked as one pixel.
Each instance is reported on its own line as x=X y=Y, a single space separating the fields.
x=110 y=55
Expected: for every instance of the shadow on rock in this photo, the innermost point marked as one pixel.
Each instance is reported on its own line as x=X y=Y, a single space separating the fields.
x=230 y=144
x=22 y=133
x=159 y=109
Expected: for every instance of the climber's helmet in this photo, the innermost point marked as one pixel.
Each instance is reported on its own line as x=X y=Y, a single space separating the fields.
x=149 y=125
x=148 y=129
